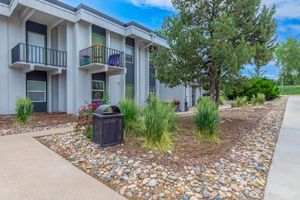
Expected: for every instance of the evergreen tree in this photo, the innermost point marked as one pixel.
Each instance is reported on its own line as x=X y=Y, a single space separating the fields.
x=288 y=57
x=210 y=40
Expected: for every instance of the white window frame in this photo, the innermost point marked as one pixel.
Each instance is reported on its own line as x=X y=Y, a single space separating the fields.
x=38 y=91
x=98 y=90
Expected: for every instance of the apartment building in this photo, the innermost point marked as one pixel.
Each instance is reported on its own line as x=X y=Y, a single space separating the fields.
x=62 y=57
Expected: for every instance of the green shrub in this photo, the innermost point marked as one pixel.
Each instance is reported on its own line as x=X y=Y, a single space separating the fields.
x=206 y=118
x=105 y=99
x=24 y=109
x=248 y=87
x=160 y=122
x=132 y=117
x=236 y=87
x=260 y=99
x=89 y=133
x=263 y=86
x=221 y=100
x=239 y=101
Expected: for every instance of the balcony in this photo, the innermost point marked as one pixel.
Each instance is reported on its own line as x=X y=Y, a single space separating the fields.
x=30 y=57
x=102 y=59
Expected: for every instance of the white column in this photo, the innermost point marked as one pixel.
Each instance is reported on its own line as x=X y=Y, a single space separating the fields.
x=107 y=38
x=90 y=34
x=4 y=69
x=72 y=66
x=147 y=74
x=123 y=79
x=137 y=72
x=108 y=89
x=49 y=38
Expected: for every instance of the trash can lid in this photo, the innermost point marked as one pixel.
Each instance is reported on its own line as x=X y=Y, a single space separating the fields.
x=108 y=110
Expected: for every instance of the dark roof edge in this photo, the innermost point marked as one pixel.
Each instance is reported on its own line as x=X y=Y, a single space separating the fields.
x=101 y=14
x=7 y=2
x=96 y=12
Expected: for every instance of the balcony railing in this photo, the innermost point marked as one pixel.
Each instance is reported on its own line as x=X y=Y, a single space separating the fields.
x=39 y=55
x=101 y=55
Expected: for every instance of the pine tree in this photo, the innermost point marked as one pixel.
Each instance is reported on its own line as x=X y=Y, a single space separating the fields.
x=210 y=40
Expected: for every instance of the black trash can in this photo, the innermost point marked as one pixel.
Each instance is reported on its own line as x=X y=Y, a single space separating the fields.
x=108 y=126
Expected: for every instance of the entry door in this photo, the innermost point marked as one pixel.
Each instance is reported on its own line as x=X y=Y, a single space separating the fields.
x=98 y=87
x=36 y=89
x=98 y=41
x=36 y=49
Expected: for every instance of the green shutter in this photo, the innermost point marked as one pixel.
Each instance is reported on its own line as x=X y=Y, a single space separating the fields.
x=129 y=91
x=98 y=40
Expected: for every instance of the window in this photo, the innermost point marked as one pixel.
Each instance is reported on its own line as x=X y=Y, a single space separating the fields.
x=97 y=90
x=36 y=91
x=129 y=54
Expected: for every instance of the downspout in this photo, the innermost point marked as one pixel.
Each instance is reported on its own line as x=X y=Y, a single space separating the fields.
x=185 y=99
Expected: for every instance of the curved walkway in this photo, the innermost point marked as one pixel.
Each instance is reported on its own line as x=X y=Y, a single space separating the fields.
x=284 y=176
x=31 y=171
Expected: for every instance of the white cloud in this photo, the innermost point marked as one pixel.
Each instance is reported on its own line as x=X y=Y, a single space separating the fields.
x=164 y=4
x=285 y=9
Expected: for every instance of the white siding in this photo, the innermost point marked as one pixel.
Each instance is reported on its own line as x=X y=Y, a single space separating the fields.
x=116 y=85
x=16 y=77
x=168 y=94
x=4 y=69
x=73 y=35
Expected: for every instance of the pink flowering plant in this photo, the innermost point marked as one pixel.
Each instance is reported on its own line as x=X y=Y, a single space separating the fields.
x=176 y=102
x=85 y=118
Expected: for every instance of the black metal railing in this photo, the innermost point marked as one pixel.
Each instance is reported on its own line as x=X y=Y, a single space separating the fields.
x=38 y=55
x=101 y=54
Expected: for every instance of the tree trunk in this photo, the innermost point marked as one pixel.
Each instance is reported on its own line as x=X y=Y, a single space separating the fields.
x=212 y=88
x=218 y=83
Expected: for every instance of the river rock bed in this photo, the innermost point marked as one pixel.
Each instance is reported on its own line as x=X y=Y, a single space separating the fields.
x=236 y=168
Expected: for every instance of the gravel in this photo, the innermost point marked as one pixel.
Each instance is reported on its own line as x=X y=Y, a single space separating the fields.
x=241 y=174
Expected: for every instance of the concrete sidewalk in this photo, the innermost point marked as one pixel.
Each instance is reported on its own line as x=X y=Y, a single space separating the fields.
x=284 y=176
x=31 y=171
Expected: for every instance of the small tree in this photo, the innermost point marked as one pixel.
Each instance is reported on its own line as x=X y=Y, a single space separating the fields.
x=211 y=40
x=287 y=56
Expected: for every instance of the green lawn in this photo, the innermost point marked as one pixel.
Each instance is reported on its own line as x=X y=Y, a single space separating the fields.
x=290 y=90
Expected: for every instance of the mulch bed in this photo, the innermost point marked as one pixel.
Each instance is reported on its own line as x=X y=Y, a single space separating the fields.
x=38 y=121
x=188 y=149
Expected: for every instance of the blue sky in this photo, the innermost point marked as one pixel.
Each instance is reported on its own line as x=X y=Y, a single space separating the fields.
x=152 y=12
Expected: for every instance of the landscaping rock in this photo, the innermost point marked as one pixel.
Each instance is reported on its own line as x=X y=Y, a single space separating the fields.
x=239 y=172
x=152 y=183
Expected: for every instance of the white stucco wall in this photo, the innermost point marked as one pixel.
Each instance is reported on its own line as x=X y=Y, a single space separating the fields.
x=72 y=35
x=141 y=73
x=4 y=70
x=116 y=86
x=16 y=77
x=169 y=94
x=82 y=79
